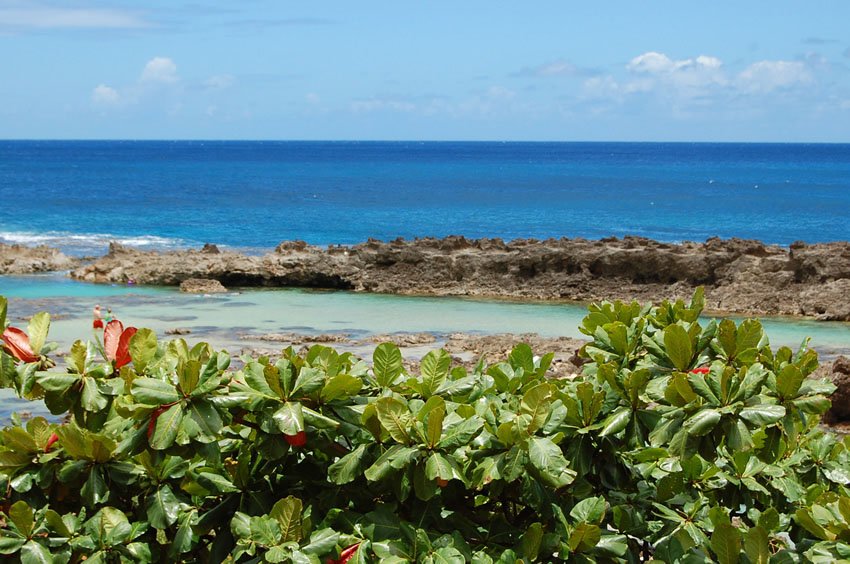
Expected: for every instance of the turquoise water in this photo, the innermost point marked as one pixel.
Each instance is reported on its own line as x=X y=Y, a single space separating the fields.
x=223 y=319
x=231 y=320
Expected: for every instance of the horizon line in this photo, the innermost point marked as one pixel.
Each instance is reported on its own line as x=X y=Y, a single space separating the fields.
x=295 y=140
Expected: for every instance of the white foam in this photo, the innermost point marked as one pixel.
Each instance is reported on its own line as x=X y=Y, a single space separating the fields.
x=87 y=242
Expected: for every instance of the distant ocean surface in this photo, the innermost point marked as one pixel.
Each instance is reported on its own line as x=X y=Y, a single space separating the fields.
x=78 y=195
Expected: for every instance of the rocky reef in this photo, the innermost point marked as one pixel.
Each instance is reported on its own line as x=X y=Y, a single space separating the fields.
x=740 y=276
x=18 y=259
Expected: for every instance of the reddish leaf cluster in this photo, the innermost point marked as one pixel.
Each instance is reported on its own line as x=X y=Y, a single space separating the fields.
x=17 y=344
x=116 y=343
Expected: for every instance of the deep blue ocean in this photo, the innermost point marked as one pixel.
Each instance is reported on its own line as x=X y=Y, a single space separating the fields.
x=80 y=194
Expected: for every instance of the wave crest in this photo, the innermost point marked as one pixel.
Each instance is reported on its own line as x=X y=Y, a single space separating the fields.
x=87 y=243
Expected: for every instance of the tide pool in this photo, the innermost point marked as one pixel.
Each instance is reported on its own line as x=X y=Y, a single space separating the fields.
x=227 y=319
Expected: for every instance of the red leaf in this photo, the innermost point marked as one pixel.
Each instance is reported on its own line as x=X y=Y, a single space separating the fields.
x=53 y=438
x=111 y=337
x=700 y=370
x=18 y=344
x=122 y=354
x=299 y=439
x=155 y=415
x=346 y=555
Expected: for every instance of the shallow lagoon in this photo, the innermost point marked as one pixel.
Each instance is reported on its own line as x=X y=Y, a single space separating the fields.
x=226 y=320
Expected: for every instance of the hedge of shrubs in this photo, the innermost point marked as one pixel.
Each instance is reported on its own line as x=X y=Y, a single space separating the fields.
x=681 y=441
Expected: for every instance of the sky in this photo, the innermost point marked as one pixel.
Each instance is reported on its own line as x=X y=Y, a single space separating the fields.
x=757 y=70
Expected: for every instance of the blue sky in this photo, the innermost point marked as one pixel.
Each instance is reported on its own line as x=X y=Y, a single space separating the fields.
x=540 y=70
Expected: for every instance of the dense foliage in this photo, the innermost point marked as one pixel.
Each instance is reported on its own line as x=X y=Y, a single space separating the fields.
x=681 y=441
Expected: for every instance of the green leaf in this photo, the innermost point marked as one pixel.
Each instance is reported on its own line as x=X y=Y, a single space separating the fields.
x=679 y=347
x=21 y=515
x=590 y=510
x=387 y=364
x=616 y=422
x=322 y=542
x=529 y=543
x=142 y=349
x=167 y=425
x=460 y=434
x=788 y=381
x=206 y=418
x=151 y=391
x=287 y=512
x=702 y=422
x=289 y=418
x=584 y=537
x=396 y=418
x=435 y=368
x=37 y=330
x=111 y=525
x=762 y=415
x=547 y=457
x=349 y=467
x=162 y=507
x=341 y=386
x=442 y=467
x=726 y=544
x=92 y=398
x=35 y=553
x=53 y=382
x=535 y=403
x=522 y=357
x=756 y=545
x=95 y=490
x=434 y=427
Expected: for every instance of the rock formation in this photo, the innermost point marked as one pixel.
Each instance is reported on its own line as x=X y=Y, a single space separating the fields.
x=18 y=259
x=740 y=276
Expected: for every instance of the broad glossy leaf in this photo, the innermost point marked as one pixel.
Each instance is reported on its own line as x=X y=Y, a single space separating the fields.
x=167 y=425
x=37 y=330
x=289 y=418
x=162 y=507
x=535 y=403
x=22 y=516
x=35 y=553
x=756 y=545
x=762 y=415
x=287 y=512
x=152 y=391
x=702 y=422
x=616 y=422
x=590 y=510
x=341 y=386
x=435 y=366
x=387 y=364
x=547 y=457
x=142 y=348
x=396 y=418
x=349 y=467
x=678 y=346
x=726 y=544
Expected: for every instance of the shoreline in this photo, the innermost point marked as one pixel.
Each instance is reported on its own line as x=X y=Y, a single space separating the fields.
x=741 y=277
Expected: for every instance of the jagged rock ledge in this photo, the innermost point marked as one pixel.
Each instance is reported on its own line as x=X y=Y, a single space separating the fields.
x=18 y=259
x=740 y=276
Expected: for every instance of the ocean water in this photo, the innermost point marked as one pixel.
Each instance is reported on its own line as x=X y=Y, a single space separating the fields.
x=78 y=195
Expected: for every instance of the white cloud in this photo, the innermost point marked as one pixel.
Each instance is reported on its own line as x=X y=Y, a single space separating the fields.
x=32 y=15
x=377 y=104
x=160 y=70
x=653 y=62
x=559 y=67
x=105 y=95
x=767 y=76
x=219 y=81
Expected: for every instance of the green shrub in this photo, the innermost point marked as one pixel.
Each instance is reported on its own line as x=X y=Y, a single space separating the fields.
x=681 y=441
